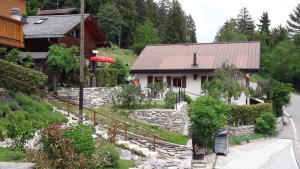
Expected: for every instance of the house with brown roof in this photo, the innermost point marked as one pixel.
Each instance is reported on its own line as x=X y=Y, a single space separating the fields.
x=188 y=66
x=11 y=25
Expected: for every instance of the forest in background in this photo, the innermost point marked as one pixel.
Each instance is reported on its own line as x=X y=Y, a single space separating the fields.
x=132 y=23
x=280 y=46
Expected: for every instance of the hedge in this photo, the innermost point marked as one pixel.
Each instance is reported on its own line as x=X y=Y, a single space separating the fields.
x=28 y=76
x=106 y=77
x=246 y=114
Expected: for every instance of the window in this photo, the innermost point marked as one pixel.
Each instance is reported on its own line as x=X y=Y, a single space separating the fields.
x=158 y=79
x=76 y=33
x=40 y=21
x=177 y=82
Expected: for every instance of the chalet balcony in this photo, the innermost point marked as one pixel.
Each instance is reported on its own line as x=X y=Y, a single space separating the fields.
x=11 y=32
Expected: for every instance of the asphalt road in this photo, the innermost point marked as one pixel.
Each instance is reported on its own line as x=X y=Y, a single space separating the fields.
x=292 y=131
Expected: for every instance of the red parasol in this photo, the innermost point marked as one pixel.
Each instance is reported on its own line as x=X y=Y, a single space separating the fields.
x=102 y=59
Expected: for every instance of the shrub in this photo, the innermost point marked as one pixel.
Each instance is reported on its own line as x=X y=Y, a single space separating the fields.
x=266 y=124
x=170 y=99
x=56 y=149
x=4 y=110
x=186 y=97
x=155 y=89
x=81 y=139
x=106 y=155
x=13 y=106
x=29 y=76
x=246 y=114
x=130 y=96
x=122 y=71
x=106 y=77
x=19 y=126
x=207 y=117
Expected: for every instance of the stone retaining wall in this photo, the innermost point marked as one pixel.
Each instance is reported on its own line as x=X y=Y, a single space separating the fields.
x=93 y=97
x=173 y=120
x=249 y=129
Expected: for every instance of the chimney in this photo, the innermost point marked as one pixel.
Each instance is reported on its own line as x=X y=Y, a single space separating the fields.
x=16 y=14
x=195 y=65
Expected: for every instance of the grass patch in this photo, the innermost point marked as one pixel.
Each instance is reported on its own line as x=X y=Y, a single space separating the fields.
x=256 y=77
x=122 y=114
x=127 y=55
x=11 y=155
x=237 y=140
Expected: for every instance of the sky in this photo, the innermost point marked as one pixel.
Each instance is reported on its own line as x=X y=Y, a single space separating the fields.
x=210 y=15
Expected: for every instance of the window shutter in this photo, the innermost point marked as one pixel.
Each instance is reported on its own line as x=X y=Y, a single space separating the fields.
x=183 y=81
x=150 y=79
x=169 y=80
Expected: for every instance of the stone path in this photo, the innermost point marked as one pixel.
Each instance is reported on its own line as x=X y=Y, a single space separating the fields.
x=7 y=165
x=166 y=155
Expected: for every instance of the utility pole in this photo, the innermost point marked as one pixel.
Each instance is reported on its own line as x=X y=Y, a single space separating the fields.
x=82 y=62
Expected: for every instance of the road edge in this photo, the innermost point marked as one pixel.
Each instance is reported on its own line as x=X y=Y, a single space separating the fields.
x=295 y=136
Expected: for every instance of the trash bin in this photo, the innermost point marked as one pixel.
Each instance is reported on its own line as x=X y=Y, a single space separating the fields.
x=221 y=142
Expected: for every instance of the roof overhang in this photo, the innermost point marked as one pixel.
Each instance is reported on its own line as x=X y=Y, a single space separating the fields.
x=176 y=71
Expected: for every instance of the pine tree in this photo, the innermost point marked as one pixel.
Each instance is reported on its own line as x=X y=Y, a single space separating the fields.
x=176 y=24
x=245 y=24
x=152 y=12
x=110 y=20
x=164 y=6
x=264 y=26
x=128 y=13
x=140 y=7
x=229 y=33
x=191 y=29
x=294 y=22
x=278 y=35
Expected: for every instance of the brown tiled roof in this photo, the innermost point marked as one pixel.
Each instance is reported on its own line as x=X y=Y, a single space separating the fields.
x=58 y=11
x=210 y=56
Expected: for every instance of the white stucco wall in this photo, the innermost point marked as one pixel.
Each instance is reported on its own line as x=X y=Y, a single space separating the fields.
x=193 y=87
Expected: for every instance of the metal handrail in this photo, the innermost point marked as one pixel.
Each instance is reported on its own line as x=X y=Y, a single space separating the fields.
x=43 y=93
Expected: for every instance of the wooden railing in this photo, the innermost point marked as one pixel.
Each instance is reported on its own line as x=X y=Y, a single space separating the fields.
x=11 y=32
x=115 y=123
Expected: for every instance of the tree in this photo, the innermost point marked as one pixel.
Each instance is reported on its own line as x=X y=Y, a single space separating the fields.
x=145 y=34
x=127 y=10
x=32 y=7
x=62 y=58
x=294 y=22
x=122 y=71
x=164 y=6
x=140 y=11
x=152 y=12
x=15 y=57
x=110 y=20
x=281 y=96
x=278 y=35
x=229 y=33
x=264 y=26
x=176 y=24
x=226 y=84
x=191 y=34
x=207 y=117
x=245 y=23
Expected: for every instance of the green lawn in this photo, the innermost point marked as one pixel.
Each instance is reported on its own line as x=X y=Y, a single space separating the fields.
x=11 y=155
x=236 y=140
x=122 y=114
x=256 y=77
x=127 y=55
